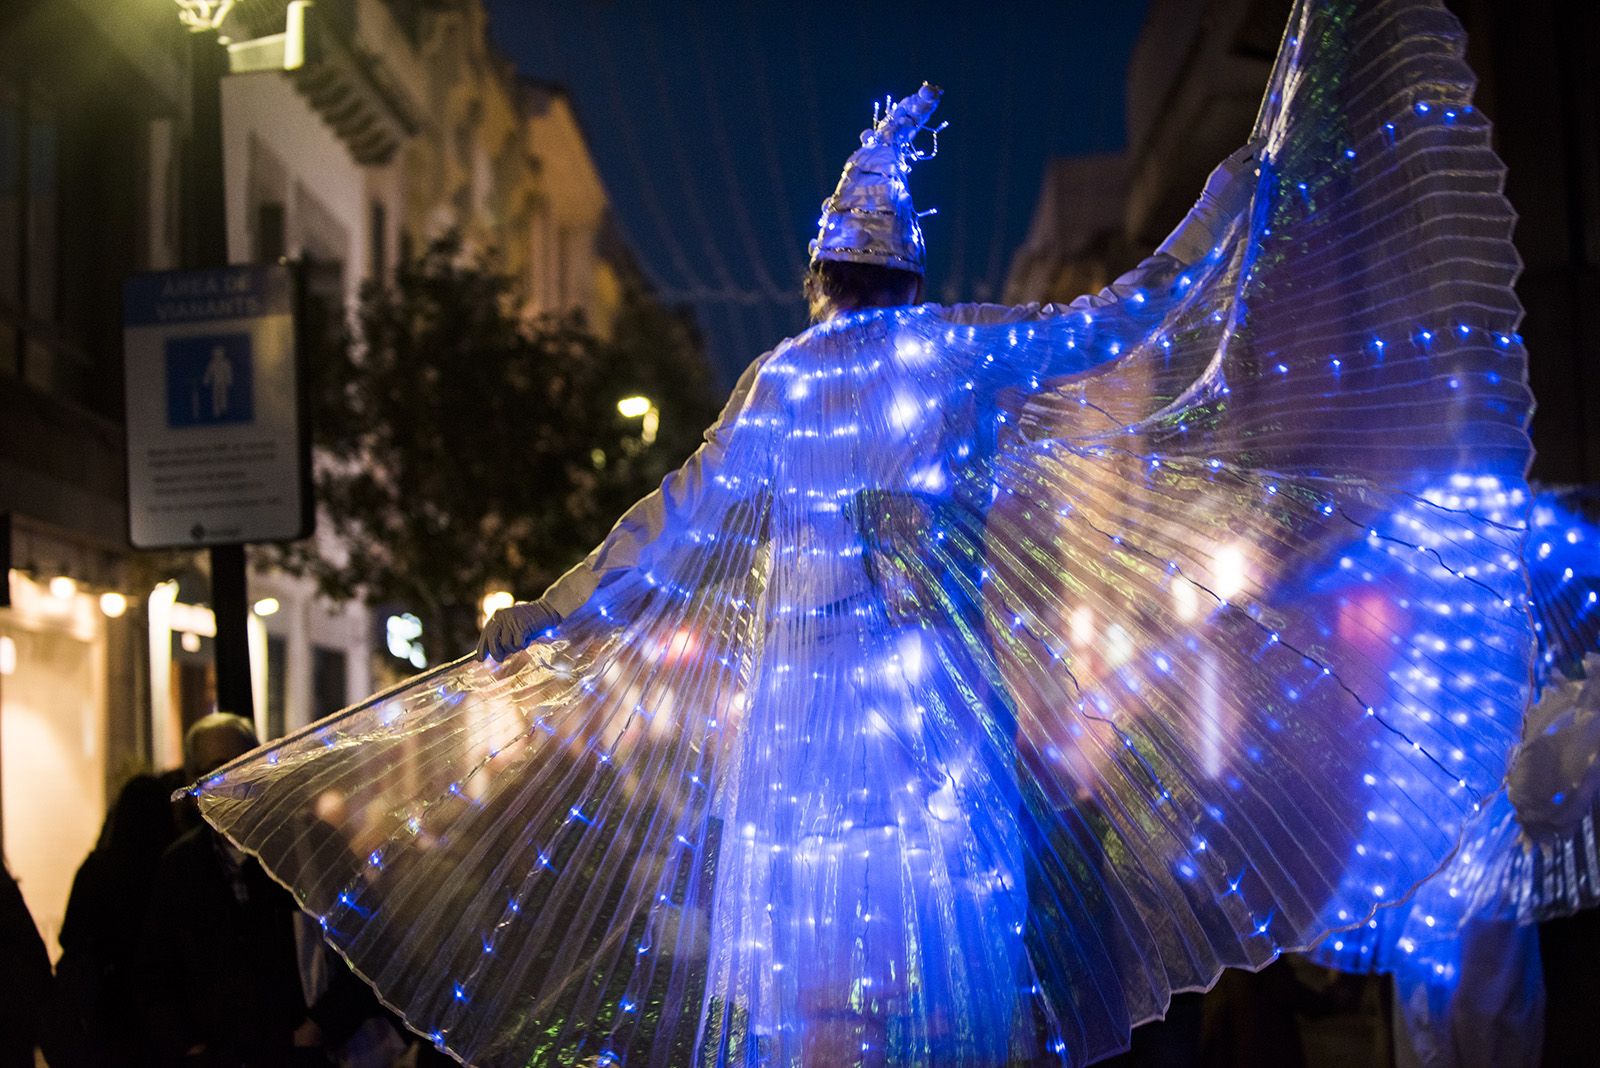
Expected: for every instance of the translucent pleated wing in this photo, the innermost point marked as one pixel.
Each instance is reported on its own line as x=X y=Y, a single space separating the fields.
x=1012 y=669
x=1531 y=853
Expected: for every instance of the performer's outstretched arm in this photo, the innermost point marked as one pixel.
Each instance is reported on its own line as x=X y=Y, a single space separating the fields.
x=511 y=629
x=1226 y=193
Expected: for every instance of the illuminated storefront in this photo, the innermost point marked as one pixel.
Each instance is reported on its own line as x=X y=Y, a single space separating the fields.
x=97 y=684
x=68 y=725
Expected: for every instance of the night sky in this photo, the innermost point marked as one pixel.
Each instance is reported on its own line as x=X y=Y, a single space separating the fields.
x=719 y=129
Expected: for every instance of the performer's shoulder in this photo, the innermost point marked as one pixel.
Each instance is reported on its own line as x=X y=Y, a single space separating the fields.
x=981 y=314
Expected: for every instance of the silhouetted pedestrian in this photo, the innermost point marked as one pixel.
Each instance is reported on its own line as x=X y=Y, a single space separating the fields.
x=93 y=1019
x=233 y=974
x=24 y=976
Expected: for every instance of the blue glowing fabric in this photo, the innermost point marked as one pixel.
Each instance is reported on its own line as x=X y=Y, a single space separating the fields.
x=983 y=694
x=1531 y=854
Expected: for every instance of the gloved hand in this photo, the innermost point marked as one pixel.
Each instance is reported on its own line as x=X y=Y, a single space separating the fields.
x=511 y=629
x=1226 y=193
x=1234 y=179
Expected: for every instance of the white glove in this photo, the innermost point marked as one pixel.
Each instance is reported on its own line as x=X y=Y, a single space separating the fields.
x=1556 y=773
x=1234 y=179
x=511 y=629
x=1226 y=193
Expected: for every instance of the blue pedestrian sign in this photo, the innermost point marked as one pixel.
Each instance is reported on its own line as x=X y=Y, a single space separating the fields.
x=209 y=381
x=217 y=450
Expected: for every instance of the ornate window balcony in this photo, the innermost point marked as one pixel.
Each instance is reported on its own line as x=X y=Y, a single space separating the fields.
x=354 y=89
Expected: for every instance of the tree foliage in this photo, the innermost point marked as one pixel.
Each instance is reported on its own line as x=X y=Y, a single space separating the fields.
x=461 y=449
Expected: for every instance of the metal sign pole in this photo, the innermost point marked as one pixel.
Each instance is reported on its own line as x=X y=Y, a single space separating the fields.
x=230 y=602
x=208 y=247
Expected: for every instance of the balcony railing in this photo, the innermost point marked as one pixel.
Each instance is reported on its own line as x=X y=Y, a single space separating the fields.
x=351 y=89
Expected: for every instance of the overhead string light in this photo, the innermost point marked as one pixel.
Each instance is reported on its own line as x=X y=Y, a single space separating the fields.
x=683 y=281
x=994 y=672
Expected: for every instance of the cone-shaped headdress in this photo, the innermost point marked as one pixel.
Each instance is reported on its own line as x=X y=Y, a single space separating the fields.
x=869 y=218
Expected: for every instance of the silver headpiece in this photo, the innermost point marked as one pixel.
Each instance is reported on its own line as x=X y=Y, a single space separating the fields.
x=869 y=218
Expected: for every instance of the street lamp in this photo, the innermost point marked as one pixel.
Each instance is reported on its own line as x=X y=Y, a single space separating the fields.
x=203 y=15
x=645 y=410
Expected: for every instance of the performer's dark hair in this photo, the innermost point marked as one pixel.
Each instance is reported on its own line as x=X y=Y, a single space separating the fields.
x=834 y=287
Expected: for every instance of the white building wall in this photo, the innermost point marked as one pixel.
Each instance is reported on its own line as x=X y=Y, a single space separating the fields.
x=567 y=228
x=277 y=146
x=305 y=621
x=266 y=113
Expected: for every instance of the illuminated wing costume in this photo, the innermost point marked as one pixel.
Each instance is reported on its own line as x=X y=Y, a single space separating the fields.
x=968 y=693
x=1464 y=951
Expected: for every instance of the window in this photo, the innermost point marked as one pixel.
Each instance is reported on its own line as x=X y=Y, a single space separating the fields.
x=378 y=238
x=408 y=16
x=270 y=229
x=563 y=240
x=328 y=681
x=277 y=684
x=51 y=314
x=11 y=208
x=193 y=680
x=30 y=153
x=41 y=194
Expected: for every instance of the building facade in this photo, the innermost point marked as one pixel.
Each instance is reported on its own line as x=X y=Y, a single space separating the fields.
x=1075 y=242
x=354 y=132
x=502 y=162
x=93 y=103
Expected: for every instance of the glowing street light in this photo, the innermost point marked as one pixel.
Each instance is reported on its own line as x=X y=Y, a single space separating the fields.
x=267 y=606
x=203 y=15
x=1229 y=572
x=492 y=602
x=645 y=410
